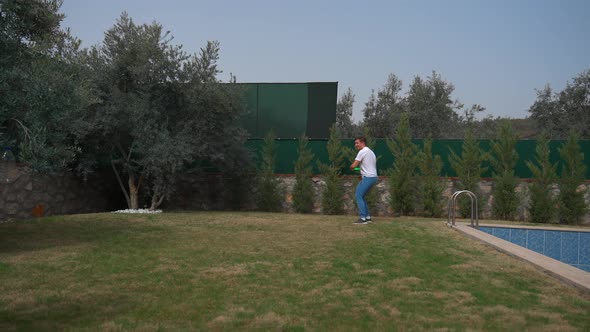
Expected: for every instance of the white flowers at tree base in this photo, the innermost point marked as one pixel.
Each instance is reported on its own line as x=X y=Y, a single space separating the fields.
x=137 y=211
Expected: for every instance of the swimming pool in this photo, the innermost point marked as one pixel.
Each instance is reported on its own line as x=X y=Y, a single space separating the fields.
x=569 y=246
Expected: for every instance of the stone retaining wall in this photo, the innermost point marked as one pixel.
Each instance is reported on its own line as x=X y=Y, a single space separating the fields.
x=214 y=193
x=25 y=195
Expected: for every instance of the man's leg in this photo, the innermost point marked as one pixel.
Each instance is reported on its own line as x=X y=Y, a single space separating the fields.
x=370 y=182
x=361 y=190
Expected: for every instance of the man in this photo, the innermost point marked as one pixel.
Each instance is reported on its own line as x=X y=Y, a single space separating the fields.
x=368 y=166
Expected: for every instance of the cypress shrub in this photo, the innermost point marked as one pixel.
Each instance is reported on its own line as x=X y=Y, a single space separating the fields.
x=503 y=160
x=269 y=194
x=303 y=189
x=332 y=197
x=402 y=177
x=541 y=202
x=431 y=187
x=572 y=206
x=469 y=167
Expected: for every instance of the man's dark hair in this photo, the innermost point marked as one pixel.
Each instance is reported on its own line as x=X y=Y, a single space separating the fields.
x=362 y=139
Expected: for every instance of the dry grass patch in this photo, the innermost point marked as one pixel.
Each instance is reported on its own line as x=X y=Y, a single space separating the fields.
x=264 y=271
x=270 y=319
x=472 y=266
x=404 y=284
x=391 y=311
x=225 y=271
x=372 y=272
x=321 y=289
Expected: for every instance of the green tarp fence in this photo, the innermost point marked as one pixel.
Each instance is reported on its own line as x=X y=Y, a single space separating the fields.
x=290 y=109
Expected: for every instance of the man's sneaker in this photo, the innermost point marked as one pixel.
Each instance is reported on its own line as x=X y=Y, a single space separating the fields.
x=368 y=219
x=360 y=222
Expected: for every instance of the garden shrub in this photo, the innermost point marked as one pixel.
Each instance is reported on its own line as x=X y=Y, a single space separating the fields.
x=269 y=194
x=503 y=157
x=469 y=168
x=303 y=189
x=431 y=188
x=332 y=197
x=572 y=205
x=402 y=177
x=542 y=204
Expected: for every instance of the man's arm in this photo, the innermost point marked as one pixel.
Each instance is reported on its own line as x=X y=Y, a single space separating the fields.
x=355 y=165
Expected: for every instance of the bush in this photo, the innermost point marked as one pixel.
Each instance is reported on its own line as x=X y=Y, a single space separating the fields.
x=431 y=188
x=506 y=199
x=469 y=169
x=541 y=202
x=503 y=160
x=332 y=197
x=402 y=177
x=572 y=206
x=303 y=189
x=269 y=194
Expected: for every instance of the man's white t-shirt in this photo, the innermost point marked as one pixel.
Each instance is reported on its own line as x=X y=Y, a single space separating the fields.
x=368 y=162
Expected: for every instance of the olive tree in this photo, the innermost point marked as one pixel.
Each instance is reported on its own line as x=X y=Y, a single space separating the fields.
x=560 y=112
x=161 y=111
x=43 y=84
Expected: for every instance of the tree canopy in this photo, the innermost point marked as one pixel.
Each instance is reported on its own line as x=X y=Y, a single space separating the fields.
x=559 y=112
x=136 y=101
x=42 y=84
x=161 y=111
x=344 y=114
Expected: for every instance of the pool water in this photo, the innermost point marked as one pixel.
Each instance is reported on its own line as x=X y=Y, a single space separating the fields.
x=569 y=246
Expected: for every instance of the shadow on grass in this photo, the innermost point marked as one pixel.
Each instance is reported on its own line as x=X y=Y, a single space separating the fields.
x=57 y=231
x=49 y=314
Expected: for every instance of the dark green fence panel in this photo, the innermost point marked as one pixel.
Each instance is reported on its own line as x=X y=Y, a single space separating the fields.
x=321 y=110
x=287 y=154
x=250 y=120
x=290 y=109
x=443 y=148
x=526 y=151
x=282 y=107
x=585 y=146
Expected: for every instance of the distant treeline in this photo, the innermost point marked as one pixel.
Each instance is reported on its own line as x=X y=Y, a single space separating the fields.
x=434 y=113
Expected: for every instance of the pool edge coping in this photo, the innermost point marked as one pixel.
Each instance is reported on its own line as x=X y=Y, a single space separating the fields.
x=566 y=273
x=537 y=227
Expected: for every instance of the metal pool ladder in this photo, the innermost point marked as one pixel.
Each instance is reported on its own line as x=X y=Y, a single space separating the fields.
x=453 y=202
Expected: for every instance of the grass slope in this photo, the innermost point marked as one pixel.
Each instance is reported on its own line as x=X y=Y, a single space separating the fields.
x=256 y=271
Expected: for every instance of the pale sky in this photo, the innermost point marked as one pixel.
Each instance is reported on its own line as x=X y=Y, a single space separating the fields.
x=495 y=52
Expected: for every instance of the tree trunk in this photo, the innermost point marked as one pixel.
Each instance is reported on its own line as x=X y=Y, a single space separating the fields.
x=156 y=201
x=121 y=185
x=133 y=193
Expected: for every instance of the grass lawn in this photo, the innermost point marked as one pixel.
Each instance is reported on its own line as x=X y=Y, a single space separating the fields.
x=257 y=271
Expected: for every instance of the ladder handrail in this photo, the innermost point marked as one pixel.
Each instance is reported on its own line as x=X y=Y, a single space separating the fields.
x=452 y=211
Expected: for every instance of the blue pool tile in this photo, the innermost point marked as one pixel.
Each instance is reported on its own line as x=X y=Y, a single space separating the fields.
x=518 y=236
x=553 y=244
x=503 y=233
x=488 y=230
x=585 y=248
x=569 y=247
x=536 y=240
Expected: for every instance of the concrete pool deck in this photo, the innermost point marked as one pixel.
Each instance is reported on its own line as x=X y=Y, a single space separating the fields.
x=564 y=272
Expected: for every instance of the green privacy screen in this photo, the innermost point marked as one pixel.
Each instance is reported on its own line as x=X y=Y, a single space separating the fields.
x=290 y=109
x=287 y=154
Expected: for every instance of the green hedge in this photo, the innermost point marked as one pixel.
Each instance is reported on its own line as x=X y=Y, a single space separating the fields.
x=287 y=154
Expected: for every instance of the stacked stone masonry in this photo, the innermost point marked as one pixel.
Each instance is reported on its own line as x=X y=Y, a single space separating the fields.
x=27 y=195
x=213 y=192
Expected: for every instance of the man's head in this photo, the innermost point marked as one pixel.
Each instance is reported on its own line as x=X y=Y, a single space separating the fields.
x=360 y=142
